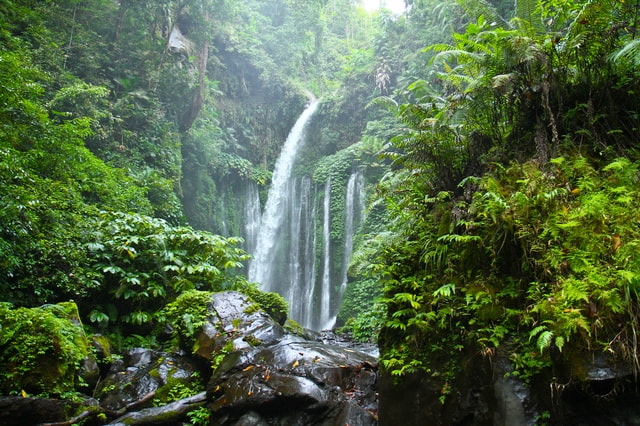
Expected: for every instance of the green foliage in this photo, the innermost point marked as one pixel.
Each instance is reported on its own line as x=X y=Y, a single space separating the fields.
x=494 y=242
x=186 y=315
x=199 y=416
x=365 y=325
x=532 y=257
x=51 y=185
x=178 y=388
x=271 y=303
x=145 y=261
x=40 y=349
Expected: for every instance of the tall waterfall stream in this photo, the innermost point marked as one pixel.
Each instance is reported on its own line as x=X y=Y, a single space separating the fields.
x=292 y=254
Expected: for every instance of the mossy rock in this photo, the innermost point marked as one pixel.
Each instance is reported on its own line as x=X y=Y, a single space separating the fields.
x=294 y=328
x=185 y=317
x=272 y=303
x=42 y=349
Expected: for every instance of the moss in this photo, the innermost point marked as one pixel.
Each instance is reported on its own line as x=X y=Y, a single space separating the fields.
x=252 y=340
x=252 y=309
x=272 y=303
x=43 y=349
x=293 y=327
x=103 y=345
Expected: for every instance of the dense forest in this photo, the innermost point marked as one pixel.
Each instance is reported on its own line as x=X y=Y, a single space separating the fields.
x=495 y=142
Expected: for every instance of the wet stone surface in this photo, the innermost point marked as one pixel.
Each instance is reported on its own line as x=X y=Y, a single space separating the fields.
x=139 y=373
x=296 y=381
x=272 y=377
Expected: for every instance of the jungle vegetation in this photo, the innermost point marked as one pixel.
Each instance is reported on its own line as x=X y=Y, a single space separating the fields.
x=499 y=139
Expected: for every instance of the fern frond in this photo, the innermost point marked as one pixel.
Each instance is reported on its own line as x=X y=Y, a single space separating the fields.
x=544 y=340
x=383 y=101
x=483 y=7
x=630 y=52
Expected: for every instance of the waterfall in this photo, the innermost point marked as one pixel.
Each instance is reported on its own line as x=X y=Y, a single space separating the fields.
x=353 y=210
x=264 y=264
x=354 y=206
x=325 y=294
x=292 y=249
x=223 y=219
x=301 y=256
x=251 y=216
x=309 y=272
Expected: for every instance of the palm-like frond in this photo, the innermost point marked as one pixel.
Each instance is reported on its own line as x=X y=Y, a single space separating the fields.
x=630 y=53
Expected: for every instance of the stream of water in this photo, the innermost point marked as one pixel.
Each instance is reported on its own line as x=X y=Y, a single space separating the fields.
x=291 y=248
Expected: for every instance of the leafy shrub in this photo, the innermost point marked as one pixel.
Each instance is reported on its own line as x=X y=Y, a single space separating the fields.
x=145 y=262
x=186 y=315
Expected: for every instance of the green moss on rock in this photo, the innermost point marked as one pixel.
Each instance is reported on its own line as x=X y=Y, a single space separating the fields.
x=41 y=349
x=272 y=303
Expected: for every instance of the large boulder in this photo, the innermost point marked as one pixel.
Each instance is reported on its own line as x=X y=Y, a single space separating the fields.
x=141 y=374
x=234 y=319
x=271 y=377
x=21 y=411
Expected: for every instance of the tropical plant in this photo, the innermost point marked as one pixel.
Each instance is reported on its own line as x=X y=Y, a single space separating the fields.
x=143 y=262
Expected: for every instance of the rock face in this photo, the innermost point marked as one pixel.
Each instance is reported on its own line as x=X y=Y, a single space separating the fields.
x=485 y=394
x=140 y=373
x=270 y=377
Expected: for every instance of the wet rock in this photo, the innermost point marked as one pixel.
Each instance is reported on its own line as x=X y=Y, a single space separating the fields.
x=102 y=346
x=234 y=317
x=485 y=393
x=273 y=377
x=295 y=382
x=142 y=372
x=19 y=411
x=331 y=338
x=601 y=367
x=164 y=415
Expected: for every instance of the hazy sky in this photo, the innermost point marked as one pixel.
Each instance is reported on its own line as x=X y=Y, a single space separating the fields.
x=396 y=6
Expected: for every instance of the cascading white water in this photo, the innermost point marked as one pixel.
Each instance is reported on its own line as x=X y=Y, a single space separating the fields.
x=301 y=256
x=353 y=210
x=354 y=206
x=283 y=240
x=252 y=216
x=261 y=269
x=325 y=294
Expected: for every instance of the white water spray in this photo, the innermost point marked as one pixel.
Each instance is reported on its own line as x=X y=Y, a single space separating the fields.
x=261 y=268
x=325 y=295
